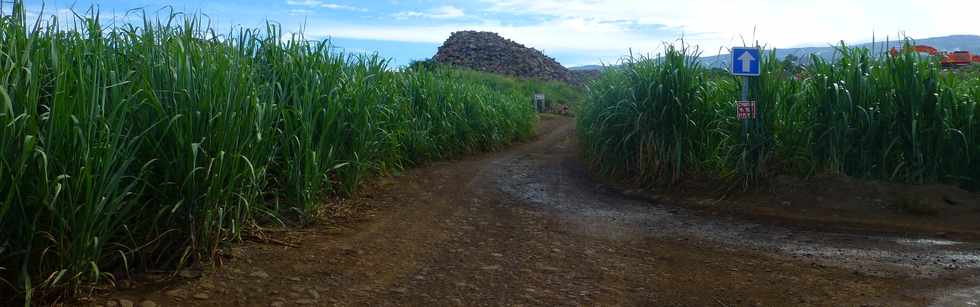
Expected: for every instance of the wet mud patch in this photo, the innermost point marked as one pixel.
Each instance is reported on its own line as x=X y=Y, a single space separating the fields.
x=559 y=183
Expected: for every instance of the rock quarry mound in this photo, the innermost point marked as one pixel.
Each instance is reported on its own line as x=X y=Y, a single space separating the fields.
x=489 y=52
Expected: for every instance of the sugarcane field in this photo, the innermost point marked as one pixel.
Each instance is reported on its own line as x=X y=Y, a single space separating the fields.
x=489 y=153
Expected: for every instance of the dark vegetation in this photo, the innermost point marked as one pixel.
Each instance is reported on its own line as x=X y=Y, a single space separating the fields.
x=905 y=119
x=146 y=146
x=556 y=92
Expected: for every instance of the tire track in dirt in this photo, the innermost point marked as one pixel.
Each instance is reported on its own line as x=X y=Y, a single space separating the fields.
x=526 y=226
x=593 y=210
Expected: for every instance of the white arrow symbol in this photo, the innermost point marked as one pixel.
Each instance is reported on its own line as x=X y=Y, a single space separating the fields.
x=746 y=59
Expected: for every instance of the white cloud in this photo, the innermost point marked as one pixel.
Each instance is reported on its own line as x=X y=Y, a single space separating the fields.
x=300 y=12
x=68 y=18
x=334 y=6
x=775 y=23
x=442 y=12
x=599 y=42
x=608 y=29
x=307 y=3
x=326 y=5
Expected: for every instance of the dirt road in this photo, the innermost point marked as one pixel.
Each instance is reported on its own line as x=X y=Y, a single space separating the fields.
x=527 y=226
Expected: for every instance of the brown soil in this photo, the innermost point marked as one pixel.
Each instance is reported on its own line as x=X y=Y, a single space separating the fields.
x=527 y=226
x=835 y=202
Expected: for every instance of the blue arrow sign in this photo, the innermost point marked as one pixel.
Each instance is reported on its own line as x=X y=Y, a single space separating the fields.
x=746 y=61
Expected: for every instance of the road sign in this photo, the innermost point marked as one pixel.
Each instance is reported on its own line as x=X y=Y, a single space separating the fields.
x=746 y=110
x=746 y=61
x=539 y=102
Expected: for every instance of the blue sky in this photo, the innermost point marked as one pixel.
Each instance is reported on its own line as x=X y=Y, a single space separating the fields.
x=576 y=32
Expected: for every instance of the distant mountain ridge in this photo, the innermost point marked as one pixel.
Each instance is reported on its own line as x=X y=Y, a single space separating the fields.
x=945 y=43
x=585 y=68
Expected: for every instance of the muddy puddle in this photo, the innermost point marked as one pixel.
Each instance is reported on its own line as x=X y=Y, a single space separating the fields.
x=563 y=187
x=969 y=296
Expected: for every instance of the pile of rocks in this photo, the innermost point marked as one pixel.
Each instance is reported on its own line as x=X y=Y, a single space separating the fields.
x=487 y=51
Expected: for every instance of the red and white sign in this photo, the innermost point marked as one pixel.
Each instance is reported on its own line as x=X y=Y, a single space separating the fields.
x=746 y=110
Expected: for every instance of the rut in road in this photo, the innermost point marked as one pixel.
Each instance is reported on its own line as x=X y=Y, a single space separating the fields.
x=527 y=226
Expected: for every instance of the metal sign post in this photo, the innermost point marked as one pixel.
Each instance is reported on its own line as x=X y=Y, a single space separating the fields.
x=539 y=102
x=746 y=62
